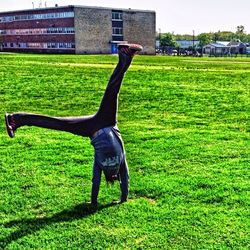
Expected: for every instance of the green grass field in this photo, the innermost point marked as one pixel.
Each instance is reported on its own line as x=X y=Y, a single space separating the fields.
x=185 y=125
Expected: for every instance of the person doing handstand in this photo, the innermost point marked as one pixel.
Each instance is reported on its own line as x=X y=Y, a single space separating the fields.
x=101 y=128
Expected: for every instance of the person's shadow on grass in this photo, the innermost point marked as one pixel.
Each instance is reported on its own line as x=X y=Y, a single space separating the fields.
x=29 y=226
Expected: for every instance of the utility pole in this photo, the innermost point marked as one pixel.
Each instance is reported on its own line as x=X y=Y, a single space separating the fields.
x=193 y=39
x=159 y=45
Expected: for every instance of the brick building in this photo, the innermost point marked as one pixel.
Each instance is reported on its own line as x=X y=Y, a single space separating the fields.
x=76 y=30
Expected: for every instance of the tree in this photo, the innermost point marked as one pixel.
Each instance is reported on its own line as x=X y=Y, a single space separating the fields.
x=247 y=38
x=240 y=33
x=216 y=36
x=167 y=42
x=183 y=37
x=204 y=39
x=226 y=35
x=167 y=39
x=240 y=29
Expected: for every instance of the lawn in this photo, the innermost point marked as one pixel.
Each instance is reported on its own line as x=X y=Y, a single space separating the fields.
x=185 y=125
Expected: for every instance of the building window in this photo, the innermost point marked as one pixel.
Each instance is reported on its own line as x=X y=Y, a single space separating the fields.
x=23 y=45
x=117 y=15
x=117 y=25
x=35 y=45
x=39 y=45
x=67 y=30
x=6 y=19
x=51 y=45
x=117 y=31
x=60 y=45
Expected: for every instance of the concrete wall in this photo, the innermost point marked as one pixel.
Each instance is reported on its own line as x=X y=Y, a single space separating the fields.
x=93 y=30
x=139 y=27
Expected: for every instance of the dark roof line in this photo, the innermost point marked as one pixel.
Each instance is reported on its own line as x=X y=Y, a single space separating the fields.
x=76 y=6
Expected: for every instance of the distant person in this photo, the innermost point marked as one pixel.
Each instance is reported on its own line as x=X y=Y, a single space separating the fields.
x=101 y=128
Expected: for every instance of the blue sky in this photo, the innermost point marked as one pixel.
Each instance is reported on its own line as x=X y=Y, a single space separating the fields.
x=179 y=16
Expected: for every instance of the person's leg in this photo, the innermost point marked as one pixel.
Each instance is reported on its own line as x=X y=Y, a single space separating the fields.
x=75 y=125
x=107 y=112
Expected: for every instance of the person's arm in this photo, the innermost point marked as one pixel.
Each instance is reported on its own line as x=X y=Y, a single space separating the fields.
x=96 y=180
x=124 y=180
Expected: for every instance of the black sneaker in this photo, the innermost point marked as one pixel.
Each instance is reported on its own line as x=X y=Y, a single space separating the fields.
x=10 y=125
x=130 y=49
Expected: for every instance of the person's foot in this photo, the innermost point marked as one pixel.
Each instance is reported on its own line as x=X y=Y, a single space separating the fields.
x=129 y=48
x=10 y=125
